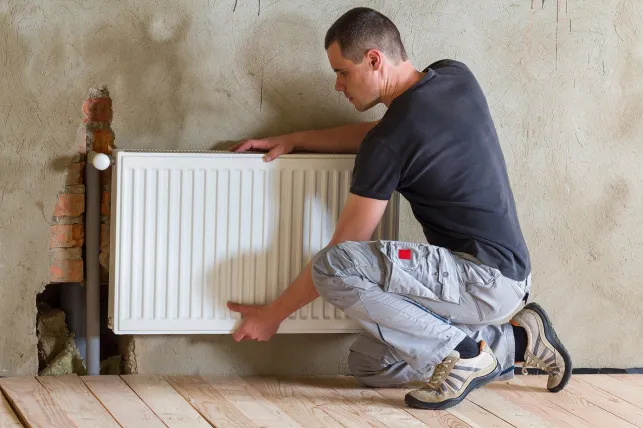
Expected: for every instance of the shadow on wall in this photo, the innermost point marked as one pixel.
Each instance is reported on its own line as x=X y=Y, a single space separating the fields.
x=146 y=70
x=161 y=94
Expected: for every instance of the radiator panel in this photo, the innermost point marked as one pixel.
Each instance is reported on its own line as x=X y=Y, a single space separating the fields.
x=191 y=231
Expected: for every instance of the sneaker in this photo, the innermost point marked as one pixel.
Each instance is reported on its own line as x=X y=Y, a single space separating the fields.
x=544 y=349
x=454 y=378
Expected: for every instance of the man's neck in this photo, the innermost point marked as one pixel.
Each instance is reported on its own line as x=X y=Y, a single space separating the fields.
x=398 y=80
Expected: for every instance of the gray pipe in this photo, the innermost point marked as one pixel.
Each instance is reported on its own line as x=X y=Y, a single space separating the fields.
x=92 y=251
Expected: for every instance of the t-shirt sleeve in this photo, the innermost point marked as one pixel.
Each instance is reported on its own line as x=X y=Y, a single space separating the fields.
x=377 y=171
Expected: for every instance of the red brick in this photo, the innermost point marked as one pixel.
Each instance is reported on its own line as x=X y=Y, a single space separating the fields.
x=105 y=203
x=70 y=205
x=103 y=141
x=75 y=173
x=66 y=271
x=66 y=236
x=98 y=110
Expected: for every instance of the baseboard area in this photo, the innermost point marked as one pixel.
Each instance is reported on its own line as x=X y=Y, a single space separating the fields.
x=635 y=370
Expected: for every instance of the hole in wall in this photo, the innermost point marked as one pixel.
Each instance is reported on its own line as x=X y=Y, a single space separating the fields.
x=60 y=328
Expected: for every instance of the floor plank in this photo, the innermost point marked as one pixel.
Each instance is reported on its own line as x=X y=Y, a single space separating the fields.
x=532 y=400
x=250 y=402
x=431 y=418
x=605 y=400
x=617 y=387
x=121 y=402
x=505 y=409
x=310 y=402
x=77 y=401
x=165 y=401
x=8 y=418
x=575 y=404
x=33 y=403
x=370 y=402
x=633 y=379
x=209 y=402
x=469 y=412
x=299 y=407
x=326 y=399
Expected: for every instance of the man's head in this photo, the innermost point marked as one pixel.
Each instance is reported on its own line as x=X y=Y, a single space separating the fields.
x=361 y=45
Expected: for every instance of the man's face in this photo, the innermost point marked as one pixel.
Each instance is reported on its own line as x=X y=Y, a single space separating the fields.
x=358 y=82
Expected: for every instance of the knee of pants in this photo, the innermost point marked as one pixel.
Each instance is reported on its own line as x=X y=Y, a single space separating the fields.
x=375 y=364
x=326 y=265
x=365 y=369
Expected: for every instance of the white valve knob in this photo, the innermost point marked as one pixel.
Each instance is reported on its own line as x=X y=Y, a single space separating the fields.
x=100 y=160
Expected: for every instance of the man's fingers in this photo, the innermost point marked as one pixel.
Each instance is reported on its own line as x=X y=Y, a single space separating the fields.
x=274 y=153
x=235 y=307
x=239 y=335
x=252 y=144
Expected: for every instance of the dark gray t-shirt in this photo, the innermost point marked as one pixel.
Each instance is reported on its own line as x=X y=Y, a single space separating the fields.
x=437 y=145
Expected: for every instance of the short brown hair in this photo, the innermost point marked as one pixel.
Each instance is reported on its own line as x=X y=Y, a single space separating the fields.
x=361 y=29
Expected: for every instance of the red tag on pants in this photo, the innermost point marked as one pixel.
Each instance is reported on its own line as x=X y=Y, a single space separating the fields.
x=404 y=254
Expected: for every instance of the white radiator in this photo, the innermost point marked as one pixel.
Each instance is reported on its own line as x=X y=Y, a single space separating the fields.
x=192 y=230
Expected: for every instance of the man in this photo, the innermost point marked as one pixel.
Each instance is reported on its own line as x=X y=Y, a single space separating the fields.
x=429 y=311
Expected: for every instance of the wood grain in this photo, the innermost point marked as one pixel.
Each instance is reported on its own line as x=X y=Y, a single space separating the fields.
x=8 y=418
x=605 y=400
x=624 y=390
x=33 y=403
x=575 y=404
x=532 y=399
x=505 y=409
x=370 y=403
x=250 y=402
x=121 y=402
x=165 y=401
x=335 y=406
x=307 y=411
x=210 y=402
x=77 y=401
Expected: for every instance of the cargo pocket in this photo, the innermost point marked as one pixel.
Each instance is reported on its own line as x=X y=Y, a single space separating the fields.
x=421 y=270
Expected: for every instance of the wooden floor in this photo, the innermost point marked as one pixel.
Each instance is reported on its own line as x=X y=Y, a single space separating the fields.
x=137 y=401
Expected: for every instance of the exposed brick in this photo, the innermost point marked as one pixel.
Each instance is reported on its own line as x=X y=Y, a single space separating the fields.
x=61 y=270
x=103 y=141
x=70 y=205
x=98 y=109
x=75 y=173
x=105 y=203
x=106 y=179
x=66 y=236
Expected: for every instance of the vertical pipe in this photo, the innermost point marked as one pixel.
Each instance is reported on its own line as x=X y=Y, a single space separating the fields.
x=92 y=252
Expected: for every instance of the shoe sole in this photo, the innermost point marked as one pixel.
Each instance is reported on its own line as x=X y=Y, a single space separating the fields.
x=476 y=383
x=552 y=337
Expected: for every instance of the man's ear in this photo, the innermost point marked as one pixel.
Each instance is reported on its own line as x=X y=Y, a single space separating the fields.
x=375 y=59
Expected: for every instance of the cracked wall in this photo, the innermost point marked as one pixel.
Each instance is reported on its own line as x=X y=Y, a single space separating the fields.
x=562 y=80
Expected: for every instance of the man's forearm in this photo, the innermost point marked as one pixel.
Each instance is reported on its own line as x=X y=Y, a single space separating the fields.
x=341 y=139
x=300 y=292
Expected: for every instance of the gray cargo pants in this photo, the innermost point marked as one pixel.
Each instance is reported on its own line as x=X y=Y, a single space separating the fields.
x=416 y=303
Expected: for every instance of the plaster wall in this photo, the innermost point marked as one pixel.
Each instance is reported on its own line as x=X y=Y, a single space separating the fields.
x=563 y=80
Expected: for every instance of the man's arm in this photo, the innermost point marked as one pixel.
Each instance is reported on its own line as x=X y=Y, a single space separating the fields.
x=341 y=139
x=357 y=222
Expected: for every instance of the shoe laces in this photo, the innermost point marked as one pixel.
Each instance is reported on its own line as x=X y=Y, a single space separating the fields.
x=533 y=361
x=441 y=372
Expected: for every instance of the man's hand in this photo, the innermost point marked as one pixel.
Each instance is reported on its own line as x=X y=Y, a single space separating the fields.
x=276 y=146
x=259 y=322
